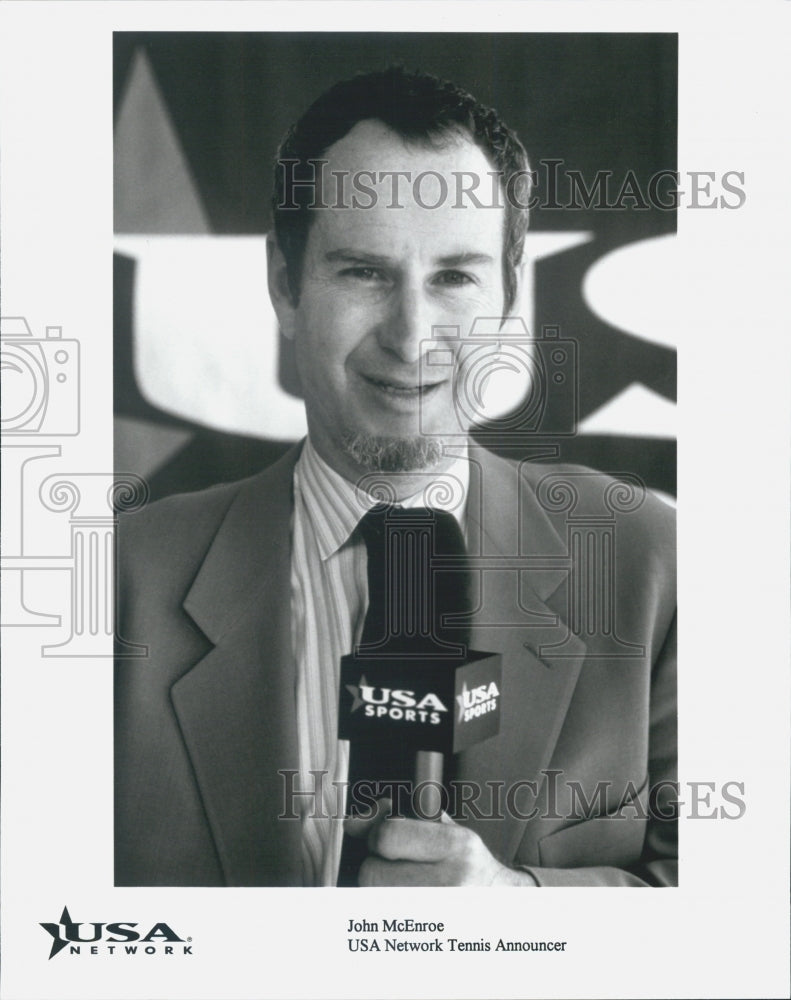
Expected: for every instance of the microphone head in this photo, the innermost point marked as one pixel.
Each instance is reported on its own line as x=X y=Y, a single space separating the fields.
x=420 y=704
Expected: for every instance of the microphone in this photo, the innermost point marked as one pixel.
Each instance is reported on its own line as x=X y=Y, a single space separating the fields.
x=417 y=712
x=413 y=693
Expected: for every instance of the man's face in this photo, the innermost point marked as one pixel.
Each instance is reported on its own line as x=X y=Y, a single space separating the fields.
x=375 y=283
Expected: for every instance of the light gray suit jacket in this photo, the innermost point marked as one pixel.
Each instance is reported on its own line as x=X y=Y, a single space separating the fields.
x=575 y=584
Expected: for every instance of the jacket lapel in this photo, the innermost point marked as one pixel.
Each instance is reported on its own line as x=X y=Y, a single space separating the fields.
x=236 y=706
x=521 y=609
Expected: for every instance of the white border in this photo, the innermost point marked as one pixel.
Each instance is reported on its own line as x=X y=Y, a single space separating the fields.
x=724 y=932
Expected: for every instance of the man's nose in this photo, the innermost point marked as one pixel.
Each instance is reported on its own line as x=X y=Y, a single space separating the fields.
x=406 y=331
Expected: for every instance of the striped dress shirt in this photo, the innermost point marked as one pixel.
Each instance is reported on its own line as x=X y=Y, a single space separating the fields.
x=329 y=598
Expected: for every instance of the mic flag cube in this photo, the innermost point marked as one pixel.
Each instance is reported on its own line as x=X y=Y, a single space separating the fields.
x=420 y=704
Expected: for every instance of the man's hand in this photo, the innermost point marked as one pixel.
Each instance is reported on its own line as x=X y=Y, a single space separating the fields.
x=416 y=852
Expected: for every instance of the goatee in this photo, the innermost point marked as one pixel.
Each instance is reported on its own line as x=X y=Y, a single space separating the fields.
x=377 y=453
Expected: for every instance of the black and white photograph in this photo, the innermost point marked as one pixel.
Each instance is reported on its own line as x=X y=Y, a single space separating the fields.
x=357 y=370
x=399 y=308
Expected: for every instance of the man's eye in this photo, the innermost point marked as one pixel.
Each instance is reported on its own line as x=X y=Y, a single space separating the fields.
x=454 y=278
x=363 y=273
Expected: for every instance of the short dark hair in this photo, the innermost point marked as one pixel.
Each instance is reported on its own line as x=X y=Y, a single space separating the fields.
x=416 y=106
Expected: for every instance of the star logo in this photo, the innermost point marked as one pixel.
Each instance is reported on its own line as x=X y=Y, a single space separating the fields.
x=58 y=943
x=461 y=698
x=354 y=691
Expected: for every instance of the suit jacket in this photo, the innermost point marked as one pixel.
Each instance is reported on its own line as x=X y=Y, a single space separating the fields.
x=575 y=587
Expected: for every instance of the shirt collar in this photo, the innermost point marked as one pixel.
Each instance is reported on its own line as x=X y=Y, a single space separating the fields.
x=334 y=505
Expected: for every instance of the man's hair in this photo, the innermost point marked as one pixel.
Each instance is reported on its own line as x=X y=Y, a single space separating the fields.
x=416 y=106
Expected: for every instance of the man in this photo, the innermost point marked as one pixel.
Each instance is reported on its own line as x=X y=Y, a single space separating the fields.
x=386 y=252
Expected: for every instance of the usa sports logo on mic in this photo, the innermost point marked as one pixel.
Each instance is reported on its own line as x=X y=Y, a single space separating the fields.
x=427 y=704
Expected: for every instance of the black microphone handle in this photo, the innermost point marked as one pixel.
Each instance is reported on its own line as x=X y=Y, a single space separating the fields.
x=429 y=765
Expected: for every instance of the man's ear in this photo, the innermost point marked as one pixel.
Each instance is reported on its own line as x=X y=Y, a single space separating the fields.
x=279 y=292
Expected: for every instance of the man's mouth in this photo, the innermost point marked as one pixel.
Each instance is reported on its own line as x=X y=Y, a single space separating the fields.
x=399 y=389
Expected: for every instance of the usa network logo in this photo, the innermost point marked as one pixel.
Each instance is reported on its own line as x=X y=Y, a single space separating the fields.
x=107 y=939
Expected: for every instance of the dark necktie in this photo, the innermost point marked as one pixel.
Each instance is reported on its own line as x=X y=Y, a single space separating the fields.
x=417 y=579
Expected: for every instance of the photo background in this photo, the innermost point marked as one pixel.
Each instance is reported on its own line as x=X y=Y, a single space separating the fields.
x=205 y=387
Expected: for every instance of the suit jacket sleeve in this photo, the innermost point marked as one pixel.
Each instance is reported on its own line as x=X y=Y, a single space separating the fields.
x=638 y=830
x=656 y=803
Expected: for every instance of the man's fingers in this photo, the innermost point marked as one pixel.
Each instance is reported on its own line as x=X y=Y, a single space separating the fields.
x=360 y=826
x=415 y=852
x=398 y=838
